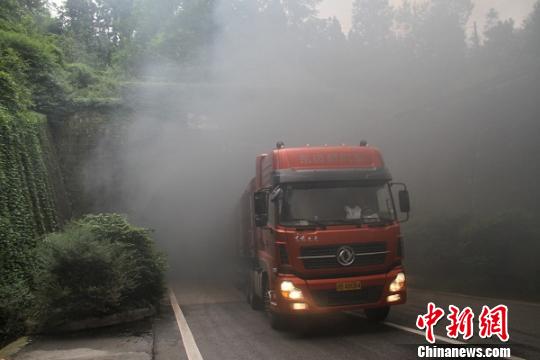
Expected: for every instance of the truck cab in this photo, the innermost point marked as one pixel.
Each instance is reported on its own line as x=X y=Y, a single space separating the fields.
x=324 y=233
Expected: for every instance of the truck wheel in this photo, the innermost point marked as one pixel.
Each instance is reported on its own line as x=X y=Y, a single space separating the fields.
x=277 y=321
x=253 y=300
x=378 y=314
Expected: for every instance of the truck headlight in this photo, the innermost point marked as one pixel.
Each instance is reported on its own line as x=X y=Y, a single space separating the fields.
x=289 y=291
x=287 y=286
x=399 y=283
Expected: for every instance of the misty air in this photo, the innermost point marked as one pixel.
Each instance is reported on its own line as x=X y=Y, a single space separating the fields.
x=269 y=179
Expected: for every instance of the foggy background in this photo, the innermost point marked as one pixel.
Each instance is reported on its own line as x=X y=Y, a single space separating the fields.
x=452 y=103
x=517 y=10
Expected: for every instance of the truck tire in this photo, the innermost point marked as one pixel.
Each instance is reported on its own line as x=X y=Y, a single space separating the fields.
x=253 y=300
x=377 y=314
x=278 y=322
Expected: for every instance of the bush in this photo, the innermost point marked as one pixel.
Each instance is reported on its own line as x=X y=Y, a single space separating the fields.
x=15 y=299
x=81 y=75
x=151 y=264
x=97 y=266
x=35 y=65
x=92 y=86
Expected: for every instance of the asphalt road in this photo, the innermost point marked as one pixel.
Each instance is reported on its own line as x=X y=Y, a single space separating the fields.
x=216 y=323
x=224 y=327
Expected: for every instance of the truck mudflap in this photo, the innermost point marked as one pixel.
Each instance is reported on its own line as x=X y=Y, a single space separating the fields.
x=339 y=294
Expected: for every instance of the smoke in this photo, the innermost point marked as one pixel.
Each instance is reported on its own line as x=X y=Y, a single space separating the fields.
x=277 y=72
x=190 y=150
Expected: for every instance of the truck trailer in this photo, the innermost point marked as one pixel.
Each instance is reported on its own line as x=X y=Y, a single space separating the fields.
x=320 y=233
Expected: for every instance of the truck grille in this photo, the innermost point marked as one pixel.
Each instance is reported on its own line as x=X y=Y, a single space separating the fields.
x=324 y=257
x=283 y=254
x=342 y=298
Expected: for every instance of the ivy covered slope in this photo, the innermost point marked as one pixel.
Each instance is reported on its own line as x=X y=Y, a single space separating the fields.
x=35 y=82
x=27 y=207
x=27 y=210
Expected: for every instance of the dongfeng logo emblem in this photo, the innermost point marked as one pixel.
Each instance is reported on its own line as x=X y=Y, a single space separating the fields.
x=345 y=255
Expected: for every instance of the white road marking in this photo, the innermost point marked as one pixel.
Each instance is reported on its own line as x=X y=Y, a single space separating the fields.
x=421 y=333
x=190 y=345
x=193 y=352
x=437 y=337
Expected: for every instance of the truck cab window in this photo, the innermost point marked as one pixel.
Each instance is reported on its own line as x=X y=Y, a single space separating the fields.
x=335 y=203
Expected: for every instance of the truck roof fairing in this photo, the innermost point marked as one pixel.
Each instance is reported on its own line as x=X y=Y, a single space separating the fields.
x=328 y=163
x=320 y=163
x=328 y=157
x=307 y=175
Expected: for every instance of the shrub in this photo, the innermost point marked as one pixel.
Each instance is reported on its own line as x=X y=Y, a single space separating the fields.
x=81 y=75
x=15 y=299
x=35 y=65
x=115 y=228
x=97 y=266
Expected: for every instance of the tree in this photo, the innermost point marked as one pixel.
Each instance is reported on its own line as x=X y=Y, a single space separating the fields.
x=189 y=34
x=532 y=31
x=475 y=37
x=300 y=11
x=442 y=31
x=499 y=38
x=371 y=22
x=81 y=24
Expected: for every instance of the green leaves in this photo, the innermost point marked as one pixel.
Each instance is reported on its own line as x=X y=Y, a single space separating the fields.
x=27 y=210
x=31 y=70
x=98 y=265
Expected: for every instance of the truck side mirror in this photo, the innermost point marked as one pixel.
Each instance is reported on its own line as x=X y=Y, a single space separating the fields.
x=404 y=202
x=260 y=204
x=403 y=199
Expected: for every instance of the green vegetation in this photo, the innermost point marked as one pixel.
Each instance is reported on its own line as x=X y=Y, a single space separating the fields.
x=27 y=210
x=41 y=76
x=35 y=73
x=489 y=255
x=30 y=81
x=97 y=266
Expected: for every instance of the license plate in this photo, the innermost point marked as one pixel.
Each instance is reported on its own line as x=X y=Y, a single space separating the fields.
x=348 y=286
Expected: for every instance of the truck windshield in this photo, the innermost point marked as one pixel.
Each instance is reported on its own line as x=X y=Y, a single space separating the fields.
x=308 y=204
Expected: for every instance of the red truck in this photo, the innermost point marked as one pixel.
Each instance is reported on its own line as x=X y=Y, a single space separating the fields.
x=321 y=234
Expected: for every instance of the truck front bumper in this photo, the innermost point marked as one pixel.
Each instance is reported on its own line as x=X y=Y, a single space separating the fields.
x=320 y=296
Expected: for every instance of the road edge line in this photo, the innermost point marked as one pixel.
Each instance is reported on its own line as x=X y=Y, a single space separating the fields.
x=437 y=337
x=421 y=333
x=190 y=346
